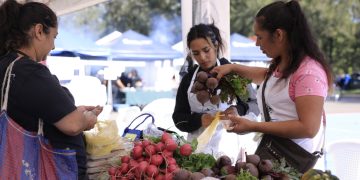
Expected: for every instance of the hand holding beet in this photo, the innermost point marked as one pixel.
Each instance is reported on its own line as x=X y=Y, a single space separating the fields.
x=208 y=88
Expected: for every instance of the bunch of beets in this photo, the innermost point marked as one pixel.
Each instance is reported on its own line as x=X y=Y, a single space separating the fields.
x=205 y=88
x=149 y=160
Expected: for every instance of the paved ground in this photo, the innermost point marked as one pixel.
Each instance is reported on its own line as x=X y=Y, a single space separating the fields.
x=347 y=104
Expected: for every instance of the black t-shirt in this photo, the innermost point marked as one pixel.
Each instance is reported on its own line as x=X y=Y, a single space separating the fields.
x=35 y=93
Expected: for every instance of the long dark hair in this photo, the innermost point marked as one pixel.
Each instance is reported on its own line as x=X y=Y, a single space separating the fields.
x=17 y=19
x=206 y=31
x=289 y=17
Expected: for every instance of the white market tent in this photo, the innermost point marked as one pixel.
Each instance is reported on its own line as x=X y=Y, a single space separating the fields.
x=242 y=48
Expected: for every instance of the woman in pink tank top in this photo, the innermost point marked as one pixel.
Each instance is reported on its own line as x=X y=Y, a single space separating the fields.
x=299 y=77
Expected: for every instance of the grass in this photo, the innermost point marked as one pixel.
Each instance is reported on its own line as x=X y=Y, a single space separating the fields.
x=351 y=92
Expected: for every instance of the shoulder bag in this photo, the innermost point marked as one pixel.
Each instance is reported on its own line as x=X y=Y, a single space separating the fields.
x=274 y=147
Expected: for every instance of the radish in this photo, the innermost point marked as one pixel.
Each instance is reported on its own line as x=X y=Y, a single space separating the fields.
x=160 y=177
x=185 y=150
x=112 y=171
x=150 y=150
x=137 y=143
x=168 y=176
x=137 y=152
x=171 y=168
x=145 y=143
x=167 y=153
x=130 y=175
x=159 y=146
x=124 y=168
x=165 y=136
x=125 y=159
x=140 y=159
x=133 y=163
x=171 y=160
x=152 y=170
x=170 y=145
x=142 y=166
x=156 y=159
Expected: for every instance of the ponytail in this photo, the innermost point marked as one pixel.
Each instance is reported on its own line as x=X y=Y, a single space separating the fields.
x=290 y=18
x=9 y=13
x=17 y=19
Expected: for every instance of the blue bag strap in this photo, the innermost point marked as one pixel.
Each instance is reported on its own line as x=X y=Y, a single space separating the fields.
x=144 y=114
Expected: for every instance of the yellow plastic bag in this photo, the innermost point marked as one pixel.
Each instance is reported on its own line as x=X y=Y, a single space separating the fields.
x=207 y=134
x=103 y=138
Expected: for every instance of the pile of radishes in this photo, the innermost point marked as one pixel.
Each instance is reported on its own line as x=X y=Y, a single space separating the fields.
x=149 y=160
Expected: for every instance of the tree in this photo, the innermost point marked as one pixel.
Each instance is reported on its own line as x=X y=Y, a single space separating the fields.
x=143 y=16
x=335 y=24
x=242 y=15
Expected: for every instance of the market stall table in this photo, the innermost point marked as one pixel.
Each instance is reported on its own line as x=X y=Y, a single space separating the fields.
x=143 y=97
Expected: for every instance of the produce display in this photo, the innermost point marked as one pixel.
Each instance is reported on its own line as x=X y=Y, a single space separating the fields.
x=166 y=158
x=208 y=88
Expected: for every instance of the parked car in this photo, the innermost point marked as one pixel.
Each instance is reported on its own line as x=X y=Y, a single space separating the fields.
x=346 y=83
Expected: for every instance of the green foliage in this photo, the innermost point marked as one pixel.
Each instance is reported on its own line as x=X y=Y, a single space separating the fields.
x=281 y=167
x=232 y=85
x=196 y=162
x=245 y=175
x=242 y=15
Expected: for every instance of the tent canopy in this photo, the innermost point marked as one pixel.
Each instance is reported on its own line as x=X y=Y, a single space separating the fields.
x=130 y=45
x=71 y=44
x=244 y=49
x=135 y=46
